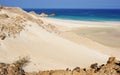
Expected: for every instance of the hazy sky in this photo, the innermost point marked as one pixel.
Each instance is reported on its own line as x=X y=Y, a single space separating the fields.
x=102 y=4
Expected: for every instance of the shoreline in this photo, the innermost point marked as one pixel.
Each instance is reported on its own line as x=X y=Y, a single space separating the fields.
x=85 y=20
x=85 y=23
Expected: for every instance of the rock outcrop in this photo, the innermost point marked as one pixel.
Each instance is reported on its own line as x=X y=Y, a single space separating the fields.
x=43 y=15
x=3 y=16
x=52 y=15
x=1 y=7
x=16 y=68
x=32 y=12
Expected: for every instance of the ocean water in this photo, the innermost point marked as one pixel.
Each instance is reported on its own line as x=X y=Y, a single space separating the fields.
x=82 y=14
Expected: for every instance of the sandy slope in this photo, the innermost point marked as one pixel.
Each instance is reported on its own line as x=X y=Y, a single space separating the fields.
x=101 y=36
x=48 y=50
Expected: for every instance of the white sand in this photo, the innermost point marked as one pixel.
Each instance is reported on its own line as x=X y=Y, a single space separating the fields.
x=106 y=29
x=88 y=42
x=49 y=51
x=76 y=24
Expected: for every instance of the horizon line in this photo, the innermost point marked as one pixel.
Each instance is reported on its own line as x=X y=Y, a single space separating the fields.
x=59 y=8
x=70 y=8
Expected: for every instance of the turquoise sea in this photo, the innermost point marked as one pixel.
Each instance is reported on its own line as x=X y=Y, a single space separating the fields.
x=82 y=14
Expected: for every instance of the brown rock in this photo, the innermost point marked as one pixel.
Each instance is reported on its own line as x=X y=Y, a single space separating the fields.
x=67 y=69
x=43 y=15
x=77 y=69
x=3 y=16
x=52 y=14
x=2 y=36
x=94 y=66
x=1 y=7
x=111 y=60
x=2 y=65
x=33 y=13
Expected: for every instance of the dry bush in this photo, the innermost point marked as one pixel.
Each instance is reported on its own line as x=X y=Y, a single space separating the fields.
x=22 y=61
x=11 y=27
x=77 y=69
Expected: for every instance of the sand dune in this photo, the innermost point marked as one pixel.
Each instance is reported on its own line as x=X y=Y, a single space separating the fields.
x=47 y=50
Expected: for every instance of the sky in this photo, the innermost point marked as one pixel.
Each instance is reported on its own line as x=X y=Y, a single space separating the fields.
x=74 y=4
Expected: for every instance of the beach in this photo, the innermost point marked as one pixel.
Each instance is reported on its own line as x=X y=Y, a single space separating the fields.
x=59 y=44
x=103 y=36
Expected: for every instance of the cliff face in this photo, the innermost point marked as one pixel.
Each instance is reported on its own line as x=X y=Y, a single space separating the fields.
x=112 y=67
